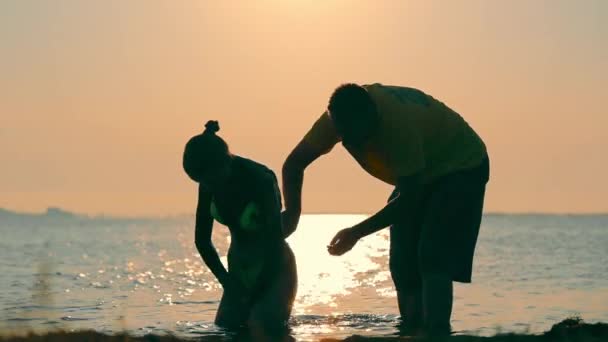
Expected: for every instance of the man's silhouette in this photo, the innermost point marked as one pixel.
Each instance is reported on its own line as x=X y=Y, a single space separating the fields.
x=439 y=167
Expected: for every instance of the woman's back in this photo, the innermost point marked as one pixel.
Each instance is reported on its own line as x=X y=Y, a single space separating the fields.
x=250 y=206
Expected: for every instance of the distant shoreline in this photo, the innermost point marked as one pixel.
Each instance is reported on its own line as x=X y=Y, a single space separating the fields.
x=60 y=213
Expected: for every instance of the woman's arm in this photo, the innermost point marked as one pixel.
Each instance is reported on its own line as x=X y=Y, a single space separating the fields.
x=202 y=237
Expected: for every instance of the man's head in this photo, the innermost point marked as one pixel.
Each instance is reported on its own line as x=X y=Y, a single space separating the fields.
x=353 y=112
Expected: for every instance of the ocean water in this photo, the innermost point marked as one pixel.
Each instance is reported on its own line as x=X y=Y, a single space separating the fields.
x=145 y=276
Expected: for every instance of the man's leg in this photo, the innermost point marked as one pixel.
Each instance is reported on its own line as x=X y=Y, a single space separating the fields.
x=404 y=267
x=437 y=299
x=447 y=244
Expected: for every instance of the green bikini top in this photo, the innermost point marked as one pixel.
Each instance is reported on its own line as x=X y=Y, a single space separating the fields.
x=248 y=220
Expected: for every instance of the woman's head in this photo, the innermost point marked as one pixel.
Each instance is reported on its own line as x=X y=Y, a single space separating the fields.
x=207 y=158
x=353 y=112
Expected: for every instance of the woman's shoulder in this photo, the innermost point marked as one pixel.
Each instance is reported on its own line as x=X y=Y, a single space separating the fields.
x=253 y=171
x=259 y=183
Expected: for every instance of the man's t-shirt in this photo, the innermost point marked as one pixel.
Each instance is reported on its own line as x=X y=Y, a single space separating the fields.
x=417 y=133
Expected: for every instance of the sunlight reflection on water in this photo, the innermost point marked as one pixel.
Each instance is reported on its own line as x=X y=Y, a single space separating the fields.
x=530 y=272
x=323 y=277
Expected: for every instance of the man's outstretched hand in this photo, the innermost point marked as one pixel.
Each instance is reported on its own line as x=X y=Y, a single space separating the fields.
x=343 y=242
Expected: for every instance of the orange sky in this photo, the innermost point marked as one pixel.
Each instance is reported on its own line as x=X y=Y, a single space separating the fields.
x=98 y=98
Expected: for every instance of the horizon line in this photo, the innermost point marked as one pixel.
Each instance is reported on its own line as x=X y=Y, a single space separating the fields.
x=176 y=215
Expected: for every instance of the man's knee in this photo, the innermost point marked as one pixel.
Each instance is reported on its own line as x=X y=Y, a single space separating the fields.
x=405 y=274
x=431 y=259
x=403 y=260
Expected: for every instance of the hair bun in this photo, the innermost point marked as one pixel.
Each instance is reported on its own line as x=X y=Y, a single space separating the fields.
x=212 y=126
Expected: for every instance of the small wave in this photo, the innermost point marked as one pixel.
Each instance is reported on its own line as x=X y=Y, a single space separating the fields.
x=99 y=285
x=202 y=302
x=206 y=329
x=346 y=320
x=71 y=318
x=30 y=307
x=23 y=319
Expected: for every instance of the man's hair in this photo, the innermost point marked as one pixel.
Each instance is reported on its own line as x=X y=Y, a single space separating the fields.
x=349 y=101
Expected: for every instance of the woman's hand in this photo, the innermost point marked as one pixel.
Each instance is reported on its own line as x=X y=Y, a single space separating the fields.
x=344 y=241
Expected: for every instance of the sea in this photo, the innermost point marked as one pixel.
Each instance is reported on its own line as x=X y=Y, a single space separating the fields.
x=60 y=271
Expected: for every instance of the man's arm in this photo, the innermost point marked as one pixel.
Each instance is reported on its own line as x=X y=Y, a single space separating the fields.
x=410 y=190
x=402 y=205
x=293 y=177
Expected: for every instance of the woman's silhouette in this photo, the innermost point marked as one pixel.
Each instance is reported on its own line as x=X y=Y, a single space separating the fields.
x=261 y=280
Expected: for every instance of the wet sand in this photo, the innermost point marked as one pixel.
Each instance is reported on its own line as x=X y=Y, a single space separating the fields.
x=569 y=330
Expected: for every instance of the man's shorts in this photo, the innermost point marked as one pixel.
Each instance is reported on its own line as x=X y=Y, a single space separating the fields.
x=441 y=235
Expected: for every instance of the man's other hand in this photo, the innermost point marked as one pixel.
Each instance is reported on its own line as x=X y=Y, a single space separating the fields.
x=343 y=242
